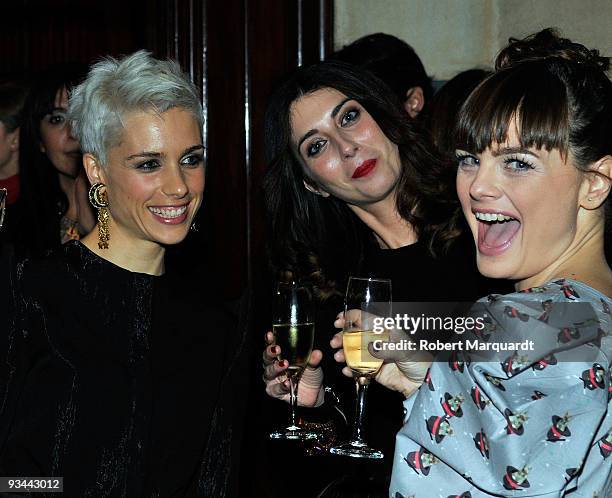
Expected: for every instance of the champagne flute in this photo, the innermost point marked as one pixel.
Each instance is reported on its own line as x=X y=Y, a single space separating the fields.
x=367 y=299
x=293 y=329
x=3 y=194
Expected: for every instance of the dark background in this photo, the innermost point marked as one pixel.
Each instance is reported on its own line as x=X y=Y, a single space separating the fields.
x=235 y=51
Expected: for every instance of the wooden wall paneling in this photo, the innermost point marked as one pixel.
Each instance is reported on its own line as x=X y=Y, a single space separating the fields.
x=225 y=206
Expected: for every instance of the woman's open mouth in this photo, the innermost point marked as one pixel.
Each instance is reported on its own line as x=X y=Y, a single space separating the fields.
x=496 y=231
x=169 y=215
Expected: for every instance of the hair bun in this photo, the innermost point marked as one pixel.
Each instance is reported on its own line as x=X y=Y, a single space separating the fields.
x=547 y=44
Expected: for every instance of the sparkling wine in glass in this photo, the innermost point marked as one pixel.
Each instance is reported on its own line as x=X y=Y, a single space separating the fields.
x=367 y=302
x=293 y=329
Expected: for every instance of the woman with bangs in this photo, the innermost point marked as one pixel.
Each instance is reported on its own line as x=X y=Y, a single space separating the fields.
x=534 y=175
x=53 y=207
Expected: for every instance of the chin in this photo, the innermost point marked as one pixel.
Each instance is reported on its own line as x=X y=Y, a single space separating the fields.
x=492 y=269
x=170 y=239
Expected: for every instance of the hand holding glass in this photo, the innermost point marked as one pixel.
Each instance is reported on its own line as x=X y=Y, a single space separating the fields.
x=293 y=329
x=366 y=299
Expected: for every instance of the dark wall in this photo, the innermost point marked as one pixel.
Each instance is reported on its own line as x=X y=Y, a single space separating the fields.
x=235 y=51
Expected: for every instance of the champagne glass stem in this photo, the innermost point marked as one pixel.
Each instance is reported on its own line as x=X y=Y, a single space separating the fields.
x=362 y=389
x=293 y=394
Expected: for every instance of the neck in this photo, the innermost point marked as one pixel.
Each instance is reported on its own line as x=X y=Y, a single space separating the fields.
x=390 y=229
x=10 y=168
x=137 y=256
x=67 y=184
x=584 y=261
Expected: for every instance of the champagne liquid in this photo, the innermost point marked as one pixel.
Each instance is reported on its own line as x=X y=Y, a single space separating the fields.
x=295 y=342
x=358 y=358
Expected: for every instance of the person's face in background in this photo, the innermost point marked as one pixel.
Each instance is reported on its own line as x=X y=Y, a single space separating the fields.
x=154 y=177
x=56 y=140
x=522 y=206
x=9 y=151
x=342 y=149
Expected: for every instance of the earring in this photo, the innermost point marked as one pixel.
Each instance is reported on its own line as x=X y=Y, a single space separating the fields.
x=99 y=200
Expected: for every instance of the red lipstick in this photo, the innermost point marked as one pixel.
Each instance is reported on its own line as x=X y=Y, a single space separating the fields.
x=364 y=169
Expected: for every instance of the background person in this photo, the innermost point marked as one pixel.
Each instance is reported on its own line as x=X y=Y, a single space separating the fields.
x=12 y=96
x=396 y=63
x=53 y=187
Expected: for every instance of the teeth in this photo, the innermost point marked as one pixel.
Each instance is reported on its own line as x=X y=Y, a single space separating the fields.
x=492 y=216
x=173 y=212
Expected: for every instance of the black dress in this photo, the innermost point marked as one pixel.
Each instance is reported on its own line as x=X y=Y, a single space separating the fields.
x=122 y=383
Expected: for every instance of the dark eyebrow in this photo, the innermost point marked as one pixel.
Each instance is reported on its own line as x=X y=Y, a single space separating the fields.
x=148 y=154
x=55 y=109
x=336 y=109
x=192 y=149
x=513 y=150
x=333 y=114
x=143 y=155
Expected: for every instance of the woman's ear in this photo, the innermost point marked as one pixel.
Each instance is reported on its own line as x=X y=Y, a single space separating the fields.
x=314 y=189
x=93 y=169
x=598 y=181
x=415 y=101
x=14 y=145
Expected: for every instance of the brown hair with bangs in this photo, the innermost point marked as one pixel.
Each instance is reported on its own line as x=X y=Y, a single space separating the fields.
x=558 y=95
x=555 y=91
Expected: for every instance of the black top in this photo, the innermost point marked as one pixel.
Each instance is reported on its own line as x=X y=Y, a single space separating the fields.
x=121 y=382
x=419 y=277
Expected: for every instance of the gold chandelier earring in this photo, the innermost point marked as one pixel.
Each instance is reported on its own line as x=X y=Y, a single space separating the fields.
x=99 y=200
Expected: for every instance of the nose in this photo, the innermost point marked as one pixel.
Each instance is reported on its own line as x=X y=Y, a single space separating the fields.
x=346 y=146
x=484 y=185
x=174 y=184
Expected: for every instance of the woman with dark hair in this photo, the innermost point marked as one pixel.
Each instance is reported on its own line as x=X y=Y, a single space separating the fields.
x=53 y=204
x=534 y=147
x=348 y=173
x=353 y=188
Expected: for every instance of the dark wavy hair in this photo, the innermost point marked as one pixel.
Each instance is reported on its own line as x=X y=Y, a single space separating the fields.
x=558 y=92
x=445 y=107
x=320 y=238
x=390 y=59
x=42 y=202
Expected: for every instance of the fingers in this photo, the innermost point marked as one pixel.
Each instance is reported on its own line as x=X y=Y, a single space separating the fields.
x=336 y=341
x=374 y=352
x=271 y=351
x=278 y=389
x=347 y=371
x=275 y=369
x=315 y=358
x=339 y=356
x=339 y=322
